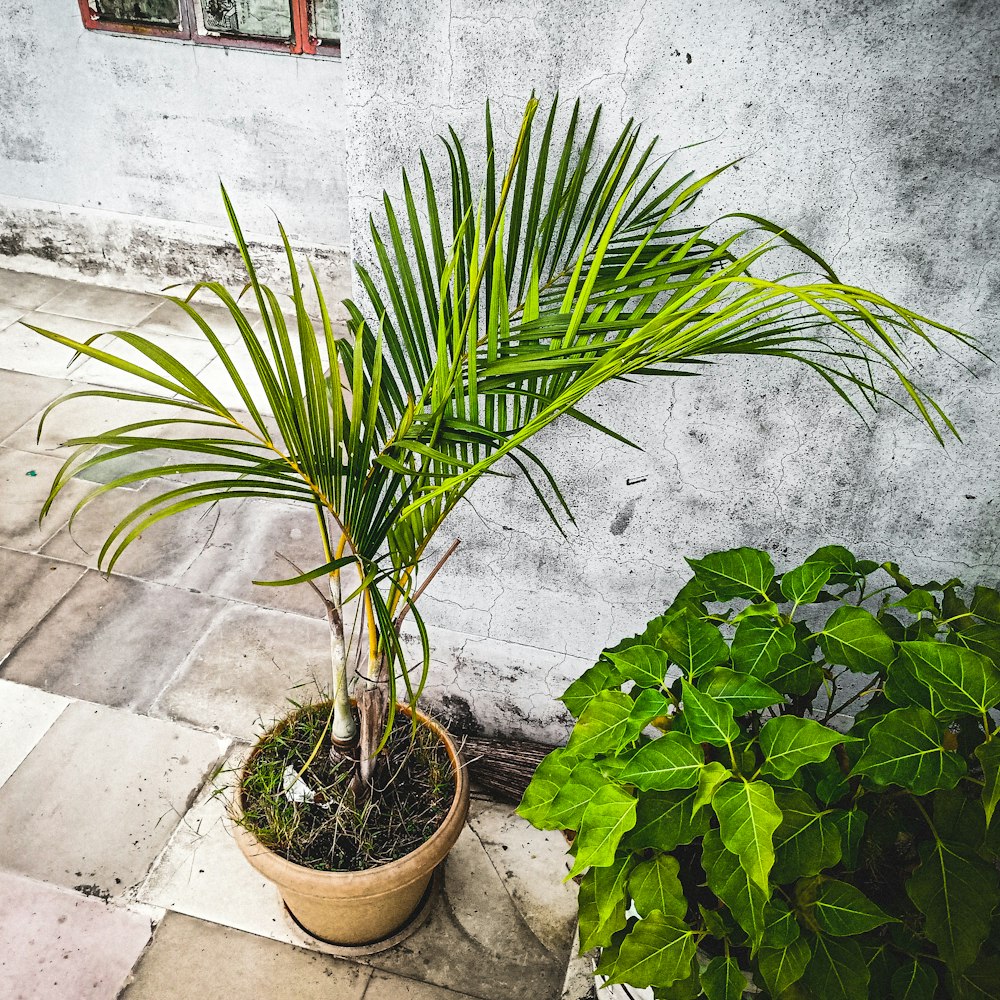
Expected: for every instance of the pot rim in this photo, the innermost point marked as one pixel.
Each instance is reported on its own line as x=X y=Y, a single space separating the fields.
x=428 y=847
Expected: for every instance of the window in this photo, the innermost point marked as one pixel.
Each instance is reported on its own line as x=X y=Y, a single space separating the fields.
x=310 y=27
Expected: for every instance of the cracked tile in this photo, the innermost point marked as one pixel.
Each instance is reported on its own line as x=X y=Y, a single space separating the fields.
x=33 y=585
x=243 y=549
x=476 y=941
x=61 y=945
x=387 y=987
x=98 y=797
x=203 y=874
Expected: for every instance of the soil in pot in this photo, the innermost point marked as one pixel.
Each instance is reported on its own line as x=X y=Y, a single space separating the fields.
x=340 y=831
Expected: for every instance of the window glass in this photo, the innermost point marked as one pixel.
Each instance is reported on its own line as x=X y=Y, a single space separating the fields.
x=140 y=11
x=259 y=18
x=324 y=19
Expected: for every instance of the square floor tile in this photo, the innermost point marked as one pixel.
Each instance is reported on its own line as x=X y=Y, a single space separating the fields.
x=25 y=716
x=245 y=668
x=533 y=864
x=244 y=548
x=24 y=350
x=25 y=481
x=9 y=315
x=28 y=291
x=84 y=417
x=170 y=318
x=82 y=300
x=193 y=354
x=191 y=958
x=160 y=554
x=476 y=940
x=113 y=640
x=56 y=944
x=32 y=586
x=97 y=799
x=22 y=399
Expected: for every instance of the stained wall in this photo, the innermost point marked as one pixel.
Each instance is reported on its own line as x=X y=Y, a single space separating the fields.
x=869 y=129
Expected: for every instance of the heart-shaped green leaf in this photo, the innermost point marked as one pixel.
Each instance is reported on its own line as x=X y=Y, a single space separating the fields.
x=844 y=911
x=803 y=584
x=600 y=677
x=546 y=783
x=708 y=720
x=790 y=742
x=742 y=692
x=602 y=902
x=672 y=761
x=946 y=679
x=603 y=725
x=658 y=951
x=694 y=645
x=759 y=645
x=808 y=840
x=748 y=818
x=730 y=881
x=646 y=665
x=741 y=572
x=957 y=892
x=906 y=748
x=783 y=967
x=837 y=970
x=721 y=979
x=853 y=637
x=654 y=885
x=665 y=820
x=609 y=815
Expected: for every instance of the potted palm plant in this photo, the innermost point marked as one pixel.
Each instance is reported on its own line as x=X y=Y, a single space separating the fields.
x=495 y=308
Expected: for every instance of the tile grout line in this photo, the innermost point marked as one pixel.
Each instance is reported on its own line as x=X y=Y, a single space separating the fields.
x=34 y=628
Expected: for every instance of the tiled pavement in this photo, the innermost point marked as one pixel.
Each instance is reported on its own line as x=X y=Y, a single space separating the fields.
x=122 y=697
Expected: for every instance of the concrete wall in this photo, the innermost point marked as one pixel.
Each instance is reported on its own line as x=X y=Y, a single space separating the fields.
x=868 y=128
x=112 y=147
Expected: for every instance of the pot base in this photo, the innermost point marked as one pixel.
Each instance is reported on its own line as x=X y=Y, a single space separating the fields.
x=419 y=918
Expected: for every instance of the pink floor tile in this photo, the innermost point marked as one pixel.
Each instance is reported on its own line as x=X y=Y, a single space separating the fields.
x=56 y=944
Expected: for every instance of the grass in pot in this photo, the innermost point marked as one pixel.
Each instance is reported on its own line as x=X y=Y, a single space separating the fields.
x=498 y=301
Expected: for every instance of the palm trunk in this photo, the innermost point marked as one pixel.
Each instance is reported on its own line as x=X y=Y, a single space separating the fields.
x=345 y=729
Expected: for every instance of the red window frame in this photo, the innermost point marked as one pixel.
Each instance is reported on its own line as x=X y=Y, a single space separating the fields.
x=301 y=43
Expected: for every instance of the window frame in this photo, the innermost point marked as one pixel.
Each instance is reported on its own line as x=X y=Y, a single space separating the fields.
x=191 y=30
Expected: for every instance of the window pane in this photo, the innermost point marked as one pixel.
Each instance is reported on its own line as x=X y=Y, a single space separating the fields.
x=324 y=19
x=260 y=18
x=140 y=11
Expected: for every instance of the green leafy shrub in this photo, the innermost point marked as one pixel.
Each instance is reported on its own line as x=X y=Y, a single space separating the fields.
x=735 y=824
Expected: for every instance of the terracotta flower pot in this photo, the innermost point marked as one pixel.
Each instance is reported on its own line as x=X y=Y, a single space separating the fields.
x=363 y=907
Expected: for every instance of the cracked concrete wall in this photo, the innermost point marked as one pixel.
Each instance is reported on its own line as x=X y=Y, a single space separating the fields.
x=869 y=129
x=112 y=148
